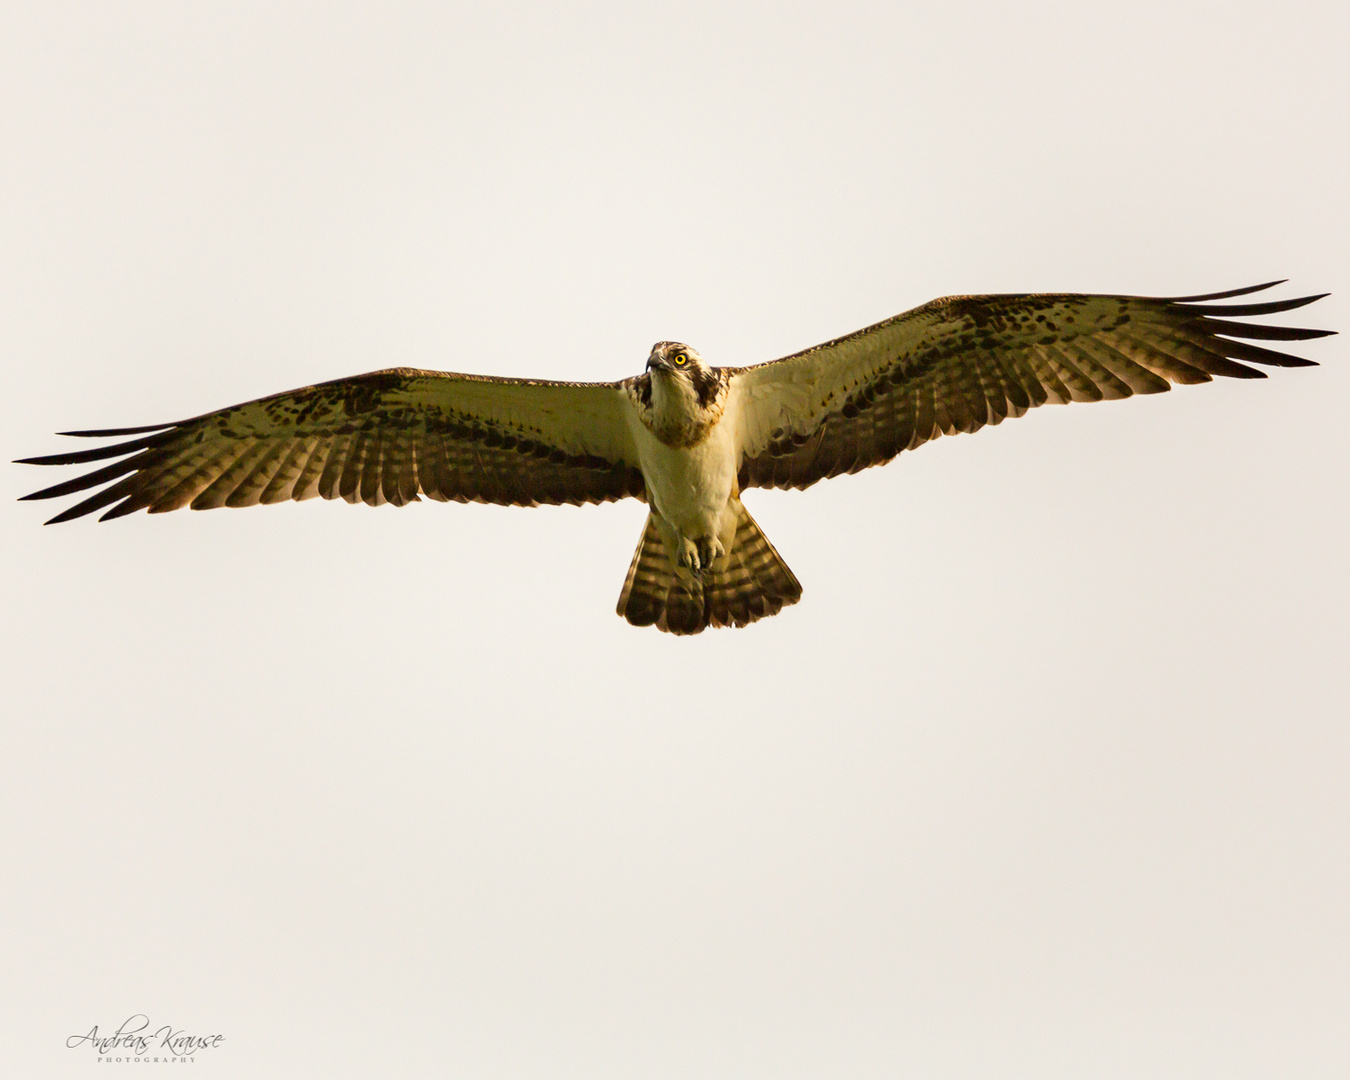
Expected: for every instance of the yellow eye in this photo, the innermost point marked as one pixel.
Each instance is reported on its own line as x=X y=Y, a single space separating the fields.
x=680 y=359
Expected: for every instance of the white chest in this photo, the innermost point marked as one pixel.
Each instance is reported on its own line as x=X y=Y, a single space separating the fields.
x=690 y=486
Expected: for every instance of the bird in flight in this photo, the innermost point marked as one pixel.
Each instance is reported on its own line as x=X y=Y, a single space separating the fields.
x=685 y=437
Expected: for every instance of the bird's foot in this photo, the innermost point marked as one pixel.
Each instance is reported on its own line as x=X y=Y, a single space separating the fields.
x=697 y=556
x=710 y=549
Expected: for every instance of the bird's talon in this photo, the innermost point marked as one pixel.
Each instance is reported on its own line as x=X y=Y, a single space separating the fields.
x=689 y=557
x=709 y=550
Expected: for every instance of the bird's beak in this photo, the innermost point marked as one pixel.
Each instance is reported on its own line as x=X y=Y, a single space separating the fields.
x=657 y=361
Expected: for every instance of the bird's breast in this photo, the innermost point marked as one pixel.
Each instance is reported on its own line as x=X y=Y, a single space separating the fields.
x=690 y=485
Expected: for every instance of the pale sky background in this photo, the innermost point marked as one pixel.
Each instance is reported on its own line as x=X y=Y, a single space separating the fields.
x=1046 y=775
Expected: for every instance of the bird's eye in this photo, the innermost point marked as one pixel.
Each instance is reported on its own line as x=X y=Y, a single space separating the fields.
x=680 y=359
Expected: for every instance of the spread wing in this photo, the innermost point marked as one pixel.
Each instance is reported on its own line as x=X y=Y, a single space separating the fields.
x=383 y=437
x=961 y=362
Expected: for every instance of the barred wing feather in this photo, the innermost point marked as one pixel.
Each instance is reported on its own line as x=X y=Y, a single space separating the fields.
x=961 y=362
x=387 y=436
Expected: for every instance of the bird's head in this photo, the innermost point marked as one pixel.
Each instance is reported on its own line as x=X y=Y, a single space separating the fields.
x=685 y=393
x=674 y=359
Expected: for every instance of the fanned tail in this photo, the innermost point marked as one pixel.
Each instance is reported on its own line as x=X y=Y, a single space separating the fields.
x=750 y=582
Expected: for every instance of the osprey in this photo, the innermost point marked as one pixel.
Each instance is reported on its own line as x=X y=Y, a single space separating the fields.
x=685 y=437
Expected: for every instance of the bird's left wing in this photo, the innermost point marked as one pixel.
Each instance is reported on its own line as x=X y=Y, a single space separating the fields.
x=387 y=436
x=962 y=362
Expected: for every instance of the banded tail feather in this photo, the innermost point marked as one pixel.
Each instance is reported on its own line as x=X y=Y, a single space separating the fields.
x=751 y=581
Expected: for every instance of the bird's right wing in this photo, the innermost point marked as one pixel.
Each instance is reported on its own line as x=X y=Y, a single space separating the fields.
x=387 y=436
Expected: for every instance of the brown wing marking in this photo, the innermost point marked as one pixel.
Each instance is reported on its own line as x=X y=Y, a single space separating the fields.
x=961 y=363
x=389 y=436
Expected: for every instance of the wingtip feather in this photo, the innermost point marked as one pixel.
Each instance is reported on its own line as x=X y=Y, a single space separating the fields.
x=108 y=433
x=1269 y=307
x=1227 y=293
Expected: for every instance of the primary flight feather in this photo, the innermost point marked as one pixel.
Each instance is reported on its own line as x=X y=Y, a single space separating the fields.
x=685 y=437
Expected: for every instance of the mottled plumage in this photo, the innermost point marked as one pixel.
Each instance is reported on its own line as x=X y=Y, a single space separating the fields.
x=685 y=437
